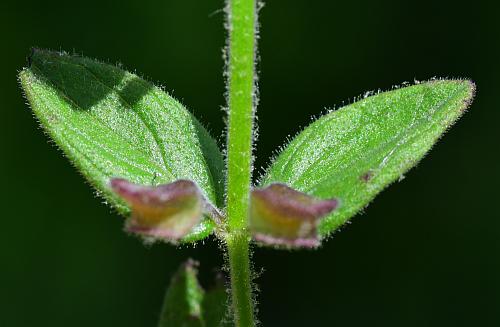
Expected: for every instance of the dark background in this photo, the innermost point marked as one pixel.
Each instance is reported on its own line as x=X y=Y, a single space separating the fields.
x=425 y=253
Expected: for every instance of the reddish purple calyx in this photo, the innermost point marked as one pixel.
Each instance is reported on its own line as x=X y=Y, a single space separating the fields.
x=280 y=215
x=168 y=212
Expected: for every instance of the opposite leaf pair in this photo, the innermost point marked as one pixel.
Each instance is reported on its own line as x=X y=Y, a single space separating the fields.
x=279 y=215
x=111 y=123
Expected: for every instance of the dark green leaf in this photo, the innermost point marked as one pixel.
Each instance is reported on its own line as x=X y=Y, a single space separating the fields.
x=355 y=152
x=111 y=123
x=182 y=306
x=186 y=304
x=215 y=306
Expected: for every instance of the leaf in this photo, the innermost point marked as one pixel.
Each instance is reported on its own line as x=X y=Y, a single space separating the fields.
x=353 y=153
x=182 y=306
x=186 y=304
x=215 y=306
x=111 y=123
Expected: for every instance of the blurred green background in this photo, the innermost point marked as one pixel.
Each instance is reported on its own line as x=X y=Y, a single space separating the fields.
x=425 y=253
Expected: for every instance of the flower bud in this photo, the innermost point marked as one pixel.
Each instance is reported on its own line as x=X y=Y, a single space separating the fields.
x=168 y=212
x=280 y=215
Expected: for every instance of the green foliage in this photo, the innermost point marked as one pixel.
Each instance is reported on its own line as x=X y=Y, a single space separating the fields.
x=186 y=304
x=115 y=126
x=183 y=301
x=111 y=123
x=215 y=306
x=355 y=152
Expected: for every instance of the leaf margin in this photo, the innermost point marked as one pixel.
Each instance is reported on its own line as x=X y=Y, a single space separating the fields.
x=328 y=231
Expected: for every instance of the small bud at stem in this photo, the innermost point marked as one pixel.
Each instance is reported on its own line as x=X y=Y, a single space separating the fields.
x=167 y=212
x=280 y=215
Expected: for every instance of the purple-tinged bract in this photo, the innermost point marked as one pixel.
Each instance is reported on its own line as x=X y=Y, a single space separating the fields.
x=280 y=215
x=167 y=212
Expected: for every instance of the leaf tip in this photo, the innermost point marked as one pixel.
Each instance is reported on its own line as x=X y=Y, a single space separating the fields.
x=472 y=90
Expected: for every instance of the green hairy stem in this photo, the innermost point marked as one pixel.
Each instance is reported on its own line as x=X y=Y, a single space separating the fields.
x=241 y=71
x=241 y=89
x=241 y=289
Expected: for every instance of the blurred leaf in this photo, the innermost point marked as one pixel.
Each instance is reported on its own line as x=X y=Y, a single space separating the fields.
x=356 y=151
x=186 y=304
x=215 y=306
x=111 y=123
x=182 y=306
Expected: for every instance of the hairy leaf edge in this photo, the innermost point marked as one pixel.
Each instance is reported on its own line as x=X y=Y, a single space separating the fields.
x=468 y=83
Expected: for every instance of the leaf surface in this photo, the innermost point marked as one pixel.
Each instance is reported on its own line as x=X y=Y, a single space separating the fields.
x=353 y=153
x=111 y=123
x=215 y=307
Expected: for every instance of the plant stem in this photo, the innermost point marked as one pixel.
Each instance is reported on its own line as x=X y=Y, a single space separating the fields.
x=241 y=288
x=241 y=24
x=241 y=73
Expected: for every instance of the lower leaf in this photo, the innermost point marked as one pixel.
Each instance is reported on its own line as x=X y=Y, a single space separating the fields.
x=186 y=304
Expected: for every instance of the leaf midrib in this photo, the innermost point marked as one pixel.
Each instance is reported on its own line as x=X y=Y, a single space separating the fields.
x=155 y=135
x=42 y=100
x=152 y=132
x=102 y=123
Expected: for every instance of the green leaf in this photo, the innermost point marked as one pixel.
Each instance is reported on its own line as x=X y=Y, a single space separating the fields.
x=182 y=306
x=111 y=123
x=186 y=304
x=353 y=153
x=215 y=306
